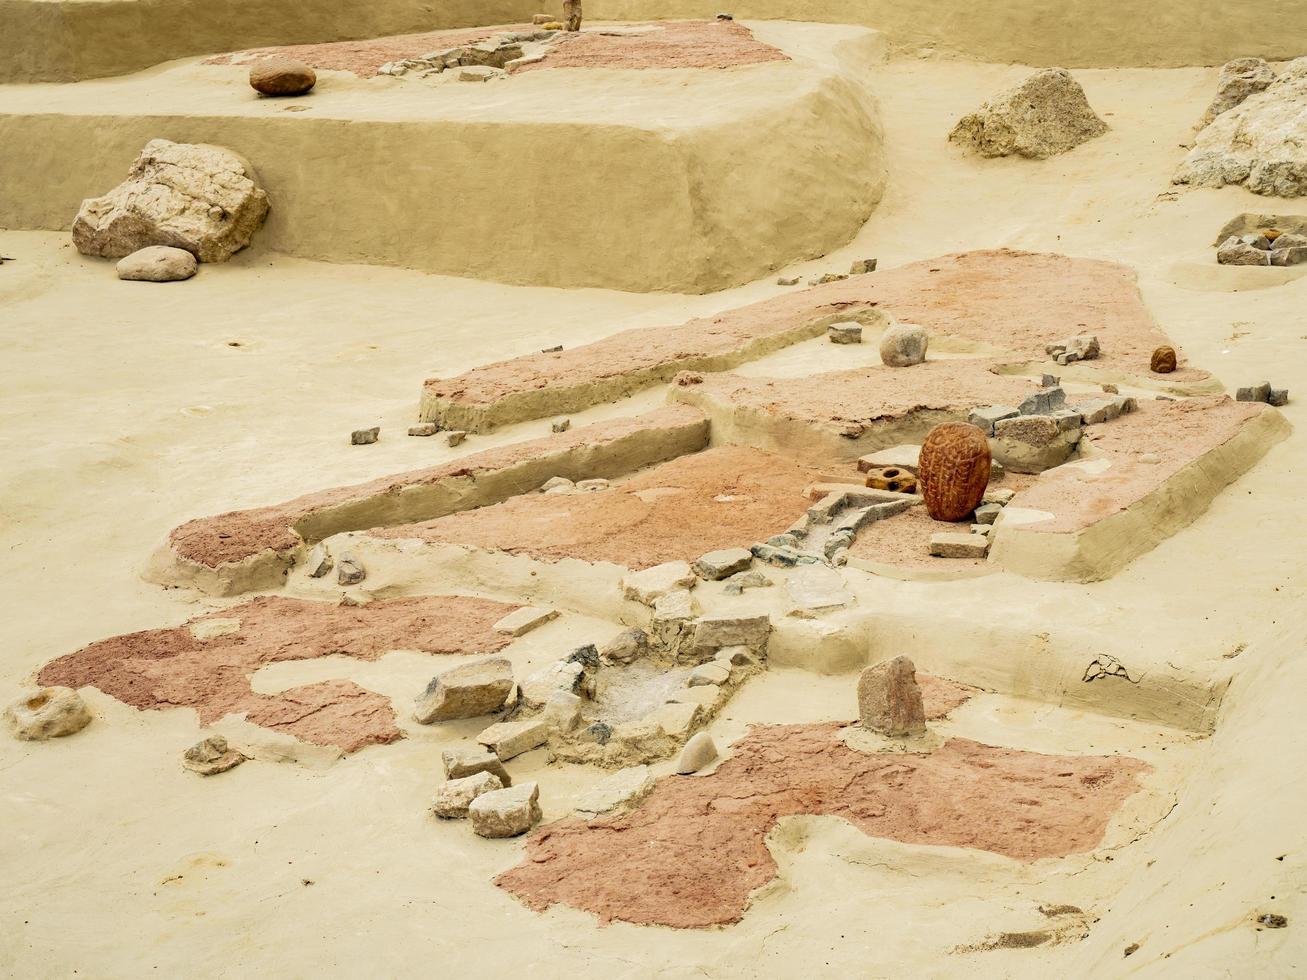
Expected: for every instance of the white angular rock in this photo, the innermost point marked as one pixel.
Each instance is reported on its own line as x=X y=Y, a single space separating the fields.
x=623 y=789
x=468 y=760
x=1238 y=80
x=647 y=585
x=506 y=812
x=465 y=691
x=1044 y=115
x=49 y=712
x=562 y=711
x=709 y=673
x=904 y=345
x=192 y=196
x=524 y=620
x=626 y=647
x=563 y=675
x=717 y=565
x=698 y=752
x=157 y=263
x=319 y=562
x=455 y=796
x=676 y=720
x=508 y=739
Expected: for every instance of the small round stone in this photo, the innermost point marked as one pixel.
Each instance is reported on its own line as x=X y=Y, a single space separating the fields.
x=903 y=345
x=279 y=75
x=1163 y=360
x=157 y=263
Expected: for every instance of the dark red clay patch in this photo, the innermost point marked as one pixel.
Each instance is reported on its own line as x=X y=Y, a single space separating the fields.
x=690 y=855
x=168 y=668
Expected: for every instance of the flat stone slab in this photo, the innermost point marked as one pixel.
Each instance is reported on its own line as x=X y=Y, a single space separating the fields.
x=524 y=620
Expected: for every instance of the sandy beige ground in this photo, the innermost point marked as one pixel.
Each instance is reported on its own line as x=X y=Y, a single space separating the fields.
x=128 y=410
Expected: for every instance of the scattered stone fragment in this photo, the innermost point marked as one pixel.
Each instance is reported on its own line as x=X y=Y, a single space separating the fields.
x=984 y=417
x=524 y=620
x=1238 y=80
x=999 y=495
x=592 y=486
x=985 y=529
x=717 y=565
x=506 y=812
x=889 y=700
x=626 y=647
x=647 y=585
x=738 y=656
x=552 y=350
x=465 y=691
x=561 y=426
x=825 y=278
x=468 y=760
x=278 y=75
x=598 y=732
x=558 y=484
x=1279 y=397
x=1045 y=115
x=725 y=17
x=1033 y=443
x=988 y=513
x=1254 y=393
x=564 y=675
x=672 y=615
x=711 y=633
x=455 y=796
x=508 y=739
x=862 y=266
x=1049 y=381
x=787 y=281
x=1233 y=251
x=562 y=711
x=948 y=544
x=157 y=263
x=954 y=470
x=780 y=557
x=709 y=673
x=541 y=18
x=678 y=719
x=816 y=590
x=845 y=333
x=906 y=456
x=478 y=73
x=736 y=584
x=319 y=562
x=210 y=756
x=364 y=437
x=622 y=790
x=1150 y=458
x=198 y=197
x=1111 y=389
x=1043 y=402
x=1272 y=921
x=49 y=712
x=1079 y=348
x=455 y=437
x=699 y=751
x=350 y=571
x=423 y=429
x=904 y=345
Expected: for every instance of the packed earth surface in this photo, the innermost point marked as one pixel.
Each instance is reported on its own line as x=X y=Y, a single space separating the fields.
x=800 y=492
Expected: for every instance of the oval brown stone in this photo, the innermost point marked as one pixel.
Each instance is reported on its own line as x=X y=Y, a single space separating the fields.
x=279 y=75
x=1163 y=361
x=954 y=470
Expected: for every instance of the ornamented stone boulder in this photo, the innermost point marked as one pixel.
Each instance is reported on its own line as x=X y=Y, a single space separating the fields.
x=1044 y=115
x=954 y=470
x=51 y=712
x=279 y=75
x=1163 y=360
x=191 y=196
x=903 y=345
x=889 y=699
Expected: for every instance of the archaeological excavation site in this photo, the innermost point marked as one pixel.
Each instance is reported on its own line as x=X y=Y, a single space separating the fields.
x=794 y=490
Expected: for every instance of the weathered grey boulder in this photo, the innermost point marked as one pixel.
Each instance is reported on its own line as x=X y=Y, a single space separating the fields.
x=506 y=812
x=1033 y=443
x=468 y=760
x=717 y=565
x=192 y=196
x=904 y=345
x=889 y=700
x=1045 y=115
x=157 y=263
x=210 y=756
x=1260 y=143
x=465 y=691
x=50 y=712
x=1238 y=80
x=455 y=796
x=699 y=751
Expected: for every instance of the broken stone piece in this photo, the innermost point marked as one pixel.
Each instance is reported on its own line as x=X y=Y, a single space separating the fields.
x=698 y=752
x=1234 y=251
x=1083 y=347
x=845 y=333
x=816 y=590
x=591 y=486
x=647 y=585
x=506 y=812
x=1254 y=393
x=364 y=437
x=1279 y=397
x=465 y=691
x=561 y=426
x=626 y=647
x=1163 y=360
x=423 y=429
x=350 y=571
x=949 y=544
x=210 y=756
x=861 y=267
x=986 y=416
x=904 y=345
x=455 y=437
x=709 y=673
x=1043 y=402
x=319 y=562
x=49 y=712
x=456 y=795
x=672 y=614
x=558 y=484
x=508 y=739
x=562 y=711
x=478 y=73
x=563 y=675
x=999 y=495
x=468 y=760
x=1033 y=443
x=197 y=197
x=988 y=513
x=711 y=633
x=676 y=720
x=1044 y=115
x=541 y=18
x=622 y=790
x=157 y=263
x=787 y=281
x=1239 y=79
x=717 y=565
x=524 y=620
x=826 y=278
x=889 y=700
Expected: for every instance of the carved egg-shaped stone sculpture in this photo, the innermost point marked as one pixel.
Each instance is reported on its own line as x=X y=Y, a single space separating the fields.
x=892 y=478
x=1163 y=361
x=954 y=470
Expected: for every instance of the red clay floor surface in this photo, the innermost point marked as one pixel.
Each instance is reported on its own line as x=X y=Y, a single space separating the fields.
x=692 y=853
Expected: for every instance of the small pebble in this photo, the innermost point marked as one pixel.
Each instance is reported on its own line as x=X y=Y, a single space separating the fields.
x=364 y=437
x=562 y=426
